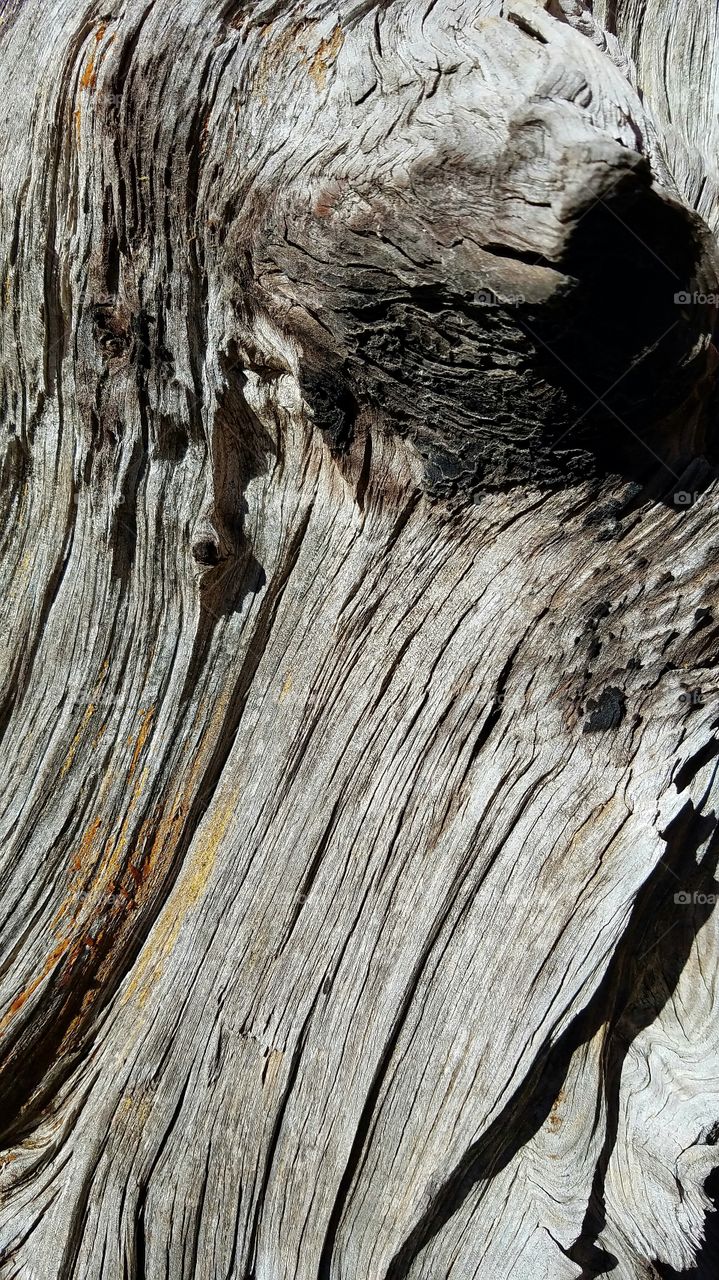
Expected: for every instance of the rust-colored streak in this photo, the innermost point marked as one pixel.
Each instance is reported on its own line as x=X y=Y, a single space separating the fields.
x=24 y=996
x=327 y=200
x=86 y=844
x=87 y=717
x=89 y=75
x=114 y=874
x=325 y=55
x=89 y=78
x=288 y=45
x=142 y=736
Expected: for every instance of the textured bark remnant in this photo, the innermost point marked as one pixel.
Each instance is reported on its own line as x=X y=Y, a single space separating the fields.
x=359 y=688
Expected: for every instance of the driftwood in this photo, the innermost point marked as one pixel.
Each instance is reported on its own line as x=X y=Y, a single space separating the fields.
x=360 y=675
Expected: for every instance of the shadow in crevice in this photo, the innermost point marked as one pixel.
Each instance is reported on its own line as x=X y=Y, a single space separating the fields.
x=629 y=998
x=705 y=1267
x=644 y=988
x=610 y=18
x=627 y=345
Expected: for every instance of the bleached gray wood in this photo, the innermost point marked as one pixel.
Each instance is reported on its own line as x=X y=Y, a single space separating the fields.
x=360 y=669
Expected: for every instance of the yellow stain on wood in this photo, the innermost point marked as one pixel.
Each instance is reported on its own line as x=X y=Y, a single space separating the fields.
x=87 y=717
x=325 y=55
x=286 y=687
x=136 y=1105
x=100 y=871
x=124 y=867
x=147 y=718
x=140 y=784
x=87 y=843
x=275 y=53
x=188 y=891
x=114 y=877
x=96 y=867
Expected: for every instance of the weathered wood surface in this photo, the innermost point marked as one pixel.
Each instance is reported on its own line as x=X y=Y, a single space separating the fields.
x=360 y=664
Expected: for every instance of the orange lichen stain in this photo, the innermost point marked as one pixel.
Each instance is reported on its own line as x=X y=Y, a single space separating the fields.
x=89 y=78
x=115 y=852
x=104 y=886
x=275 y=53
x=24 y=996
x=196 y=872
x=98 y=865
x=286 y=687
x=89 y=75
x=87 y=717
x=87 y=843
x=135 y=874
x=77 y=116
x=554 y=1120
x=83 y=863
x=325 y=55
x=147 y=718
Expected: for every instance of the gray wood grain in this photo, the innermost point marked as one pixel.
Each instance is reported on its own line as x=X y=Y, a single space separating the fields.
x=359 y=688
